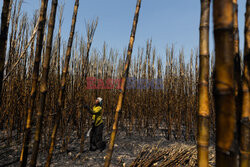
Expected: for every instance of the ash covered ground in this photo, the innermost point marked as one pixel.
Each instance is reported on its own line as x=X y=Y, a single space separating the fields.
x=127 y=149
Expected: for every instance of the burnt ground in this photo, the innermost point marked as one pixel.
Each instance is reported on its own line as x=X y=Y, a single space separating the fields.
x=126 y=150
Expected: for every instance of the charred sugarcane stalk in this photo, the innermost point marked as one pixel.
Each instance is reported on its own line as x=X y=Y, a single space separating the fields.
x=123 y=85
x=60 y=102
x=226 y=154
x=204 y=105
x=245 y=116
x=44 y=82
x=39 y=45
x=237 y=72
x=3 y=40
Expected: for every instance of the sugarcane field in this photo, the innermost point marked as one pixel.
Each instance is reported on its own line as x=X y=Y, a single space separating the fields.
x=128 y=83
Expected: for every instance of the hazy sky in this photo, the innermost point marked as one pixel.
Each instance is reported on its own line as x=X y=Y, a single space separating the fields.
x=167 y=22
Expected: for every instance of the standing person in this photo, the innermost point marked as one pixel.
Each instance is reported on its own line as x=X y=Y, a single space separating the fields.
x=97 y=126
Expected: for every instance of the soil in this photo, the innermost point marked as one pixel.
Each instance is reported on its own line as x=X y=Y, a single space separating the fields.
x=126 y=150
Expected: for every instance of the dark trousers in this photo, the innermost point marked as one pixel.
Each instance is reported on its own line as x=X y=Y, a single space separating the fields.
x=96 y=138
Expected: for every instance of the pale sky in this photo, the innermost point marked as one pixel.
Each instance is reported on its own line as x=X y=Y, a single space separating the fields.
x=167 y=22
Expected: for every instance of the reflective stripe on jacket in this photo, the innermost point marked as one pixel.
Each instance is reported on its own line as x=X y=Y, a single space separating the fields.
x=97 y=115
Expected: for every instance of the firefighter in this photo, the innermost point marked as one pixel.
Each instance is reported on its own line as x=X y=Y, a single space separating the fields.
x=96 y=141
